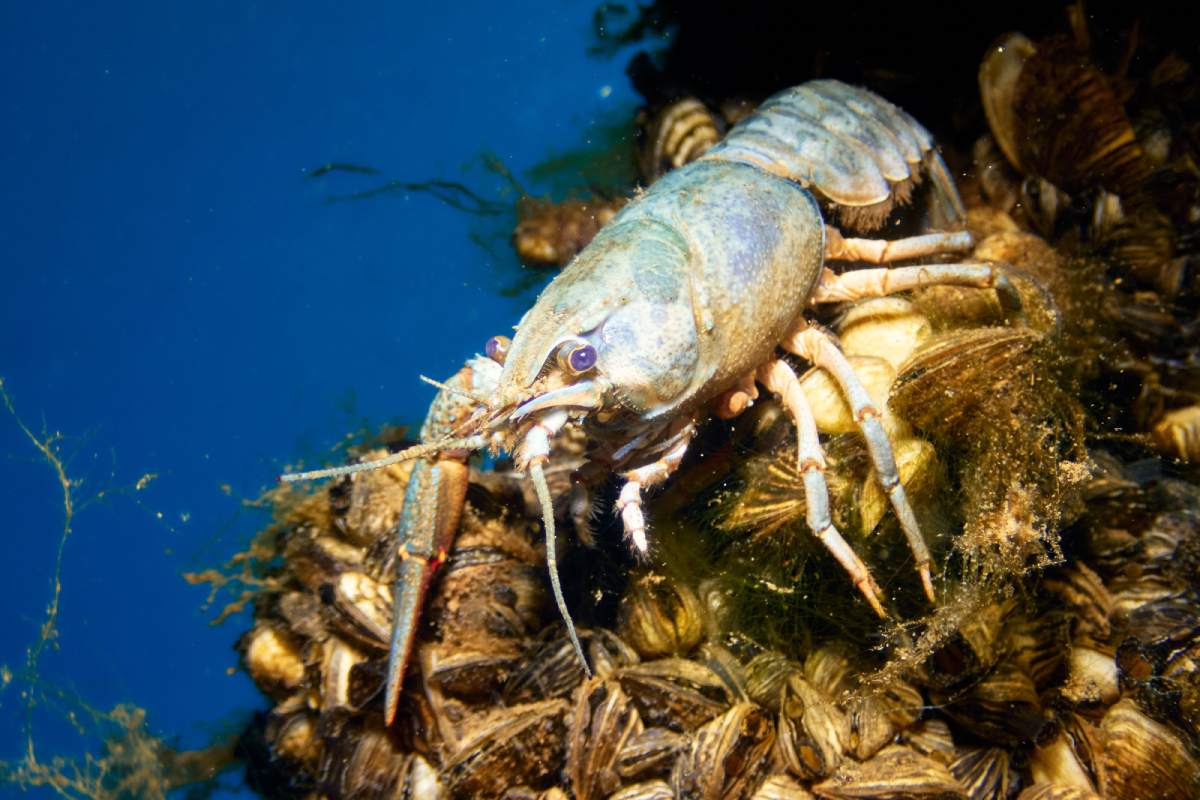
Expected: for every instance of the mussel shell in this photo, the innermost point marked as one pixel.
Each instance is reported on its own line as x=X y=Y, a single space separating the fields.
x=361 y=608
x=602 y=722
x=1056 y=791
x=1064 y=759
x=551 y=670
x=895 y=771
x=970 y=652
x=1056 y=116
x=649 y=790
x=660 y=616
x=1144 y=758
x=315 y=560
x=931 y=737
x=890 y=328
x=675 y=135
x=339 y=689
x=650 y=754
x=766 y=674
x=515 y=746
x=814 y=734
x=469 y=673
x=782 y=787
x=366 y=505
x=985 y=773
x=675 y=693
x=726 y=755
x=1003 y=707
x=876 y=718
x=274 y=658
x=551 y=234
x=366 y=765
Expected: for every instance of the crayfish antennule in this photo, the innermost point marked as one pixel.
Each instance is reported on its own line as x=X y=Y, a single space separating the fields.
x=543 y=492
x=453 y=389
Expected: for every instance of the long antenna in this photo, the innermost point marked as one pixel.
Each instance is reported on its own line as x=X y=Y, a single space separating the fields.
x=417 y=451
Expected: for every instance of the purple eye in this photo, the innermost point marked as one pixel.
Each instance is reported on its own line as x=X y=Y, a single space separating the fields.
x=581 y=358
x=497 y=348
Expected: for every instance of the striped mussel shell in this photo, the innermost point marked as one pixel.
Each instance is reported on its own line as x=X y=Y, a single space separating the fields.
x=1003 y=707
x=970 y=652
x=895 y=771
x=931 y=737
x=550 y=670
x=986 y=773
x=727 y=755
x=1056 y=791
x=1081 y=591
x=1177 y=433
x=766 y=674
x=782 y=786
x=814 y=734
x=349 y=679
x=366 y=765
x=650 y=754
x=509 y=747
x=295 y=738
x=471 y=672
x=877 y=717
x=647 y=790
x=831 y=670
x=660 y=616
x=315 y=558
x=675 y=693
x=1144 y=758
x=1068 y=757
x=676 y=134
x=603 y=721
x=1056 y=115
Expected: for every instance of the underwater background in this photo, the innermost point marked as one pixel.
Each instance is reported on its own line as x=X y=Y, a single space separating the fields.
x=184 y=313
x=235 y=236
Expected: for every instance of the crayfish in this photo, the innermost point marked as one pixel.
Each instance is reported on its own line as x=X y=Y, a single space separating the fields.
x=677 y=310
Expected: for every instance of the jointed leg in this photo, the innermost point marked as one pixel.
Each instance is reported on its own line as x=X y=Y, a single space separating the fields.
x=779 y=378
x=884 y=251
x=881 y=282
x=629 y=504
x=816 y=347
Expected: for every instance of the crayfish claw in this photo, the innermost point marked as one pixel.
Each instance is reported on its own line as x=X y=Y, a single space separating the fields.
x=412 y=577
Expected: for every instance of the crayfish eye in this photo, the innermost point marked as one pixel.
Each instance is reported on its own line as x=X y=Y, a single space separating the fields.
x=577 y=357
x=497 y=348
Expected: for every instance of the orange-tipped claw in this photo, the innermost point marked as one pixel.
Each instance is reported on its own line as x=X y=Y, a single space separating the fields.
x=428 y=523
x=413 y=575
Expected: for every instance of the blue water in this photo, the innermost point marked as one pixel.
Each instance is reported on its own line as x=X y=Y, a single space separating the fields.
x=180 y=301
